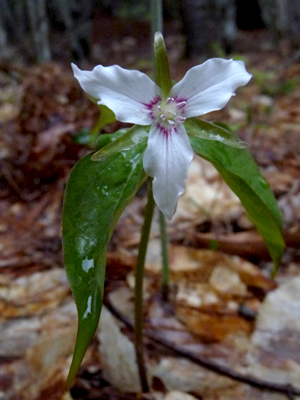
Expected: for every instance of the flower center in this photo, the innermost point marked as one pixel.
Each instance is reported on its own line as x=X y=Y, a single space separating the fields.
x=170 y=112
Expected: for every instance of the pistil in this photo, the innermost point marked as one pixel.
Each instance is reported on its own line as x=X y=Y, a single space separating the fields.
x=171 y=111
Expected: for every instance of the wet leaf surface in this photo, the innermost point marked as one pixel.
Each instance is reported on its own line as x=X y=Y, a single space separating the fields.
x=95 y=196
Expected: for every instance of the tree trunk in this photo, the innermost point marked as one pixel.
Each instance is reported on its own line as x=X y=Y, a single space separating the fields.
x=208 y=23
x=293 y=19
x=76 y=17
x=39 y=29
x=3 y=40
x=282 y=16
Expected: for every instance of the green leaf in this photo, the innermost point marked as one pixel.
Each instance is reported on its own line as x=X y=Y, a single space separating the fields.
x=242 y=175
x=119 y=143
x=206 y=130
x=96 y=195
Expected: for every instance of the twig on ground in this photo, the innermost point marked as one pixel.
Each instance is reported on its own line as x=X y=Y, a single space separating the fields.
x=289 y=390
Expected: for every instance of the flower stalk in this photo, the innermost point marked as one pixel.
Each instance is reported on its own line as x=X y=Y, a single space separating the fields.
x=165 y=257
x=138 y=295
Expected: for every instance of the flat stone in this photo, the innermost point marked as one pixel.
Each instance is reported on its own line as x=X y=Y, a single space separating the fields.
x=275 y=355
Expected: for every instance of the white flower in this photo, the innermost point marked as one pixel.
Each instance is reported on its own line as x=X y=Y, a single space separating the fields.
x=135 y=98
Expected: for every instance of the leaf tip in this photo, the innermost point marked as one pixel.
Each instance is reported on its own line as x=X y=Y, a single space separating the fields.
x=242 y=145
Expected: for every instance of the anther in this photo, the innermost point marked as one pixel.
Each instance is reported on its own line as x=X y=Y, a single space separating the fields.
x=180 y=119
x=181 y=105
x=169 y=100
x=163 y=117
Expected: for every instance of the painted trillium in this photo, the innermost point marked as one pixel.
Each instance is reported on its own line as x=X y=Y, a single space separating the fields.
x=135 y=98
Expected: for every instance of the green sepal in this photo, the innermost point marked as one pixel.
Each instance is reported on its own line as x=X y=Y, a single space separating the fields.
x=106 y=138
x=89 y=136
x=106 y=117
x=240 y=172
x=95 y=197
x=125 y=141
x=163 y=79
x=210 y=131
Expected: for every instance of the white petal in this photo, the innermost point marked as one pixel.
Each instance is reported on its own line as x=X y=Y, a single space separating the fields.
x=209 y=86
x=167 y=159
x=125 y=92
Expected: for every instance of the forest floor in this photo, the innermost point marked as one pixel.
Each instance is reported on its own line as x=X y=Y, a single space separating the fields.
x=216 y=338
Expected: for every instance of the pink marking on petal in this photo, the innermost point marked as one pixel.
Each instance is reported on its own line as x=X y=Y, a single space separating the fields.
x=163 y=130
x=152 y=104
x=167 y=132
x=180 y=99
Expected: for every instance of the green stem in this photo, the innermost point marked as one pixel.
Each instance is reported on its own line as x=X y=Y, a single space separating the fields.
x=157 y=17
x=165 y=256
x=138 y=298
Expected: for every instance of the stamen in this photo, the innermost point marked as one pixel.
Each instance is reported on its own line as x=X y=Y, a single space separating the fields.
x=170 y=112
x=180 y=119
x=169 y=100
x=181 y=105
